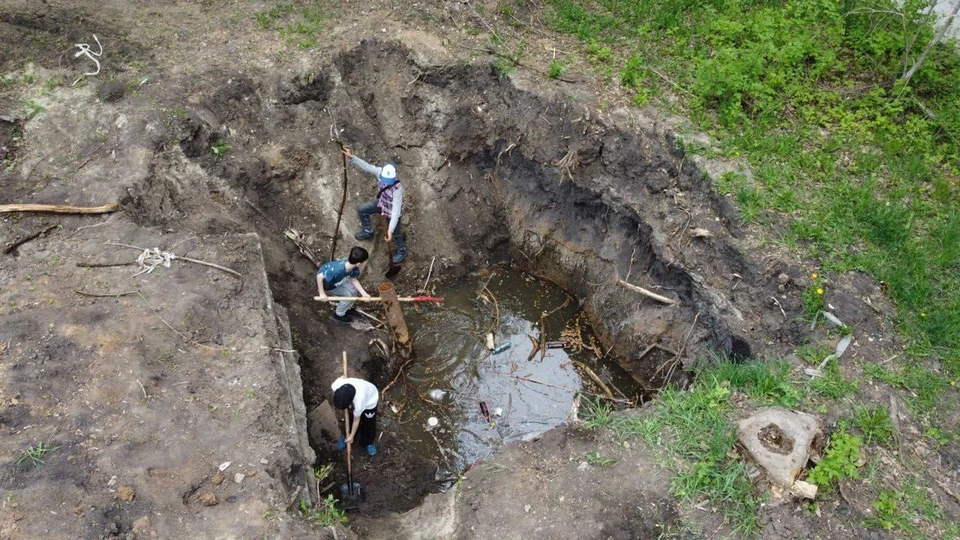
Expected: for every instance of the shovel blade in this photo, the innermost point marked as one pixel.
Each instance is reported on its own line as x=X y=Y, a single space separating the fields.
x=352 y=495
x=392 y=271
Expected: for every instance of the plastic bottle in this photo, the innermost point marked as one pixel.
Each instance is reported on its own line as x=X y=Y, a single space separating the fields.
x=502 y=347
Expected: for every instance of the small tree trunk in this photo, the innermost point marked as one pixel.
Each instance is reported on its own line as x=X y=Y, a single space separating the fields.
x=933 y=42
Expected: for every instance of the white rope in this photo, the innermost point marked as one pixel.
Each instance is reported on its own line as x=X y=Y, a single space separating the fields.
x=150 y=259
x=85 y=50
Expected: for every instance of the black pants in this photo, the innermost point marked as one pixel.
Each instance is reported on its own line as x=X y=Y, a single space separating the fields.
x=367 y=433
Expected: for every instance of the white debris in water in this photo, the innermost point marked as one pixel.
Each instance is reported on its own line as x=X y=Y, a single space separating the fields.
x=437 y=394
x=433 y=421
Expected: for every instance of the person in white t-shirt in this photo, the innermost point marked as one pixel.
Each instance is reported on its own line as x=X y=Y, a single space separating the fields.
x=360 y=397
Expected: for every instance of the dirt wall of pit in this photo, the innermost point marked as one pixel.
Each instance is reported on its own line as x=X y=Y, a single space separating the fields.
x=495 y=171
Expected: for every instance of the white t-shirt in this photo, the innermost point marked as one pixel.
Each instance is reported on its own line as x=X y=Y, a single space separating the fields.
x=366 y=397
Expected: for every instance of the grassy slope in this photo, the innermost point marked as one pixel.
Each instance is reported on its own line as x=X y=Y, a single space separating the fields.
x=852 y=167
x=807 y=93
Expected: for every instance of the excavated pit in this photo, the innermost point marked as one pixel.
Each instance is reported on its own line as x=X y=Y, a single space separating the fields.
x=495 y=173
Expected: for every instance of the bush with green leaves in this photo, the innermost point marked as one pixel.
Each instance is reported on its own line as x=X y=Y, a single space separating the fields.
x=840 y=461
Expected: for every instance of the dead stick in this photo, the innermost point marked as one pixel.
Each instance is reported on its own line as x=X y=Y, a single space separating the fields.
x=211 y=265
x=429 y=273
x=646 y=293
x=496 y=313
x=188 y=259
x=536 y=347
x=179 y=333
x=12 y=246
x=59 y=208
x=535 y=381
x=383 y=392
x=343 y=202
x=534 y=351
x=105 y=295
x=543 y=338
x=558 y=308
x=595 y=378
x=369 y=316
x=104 y=265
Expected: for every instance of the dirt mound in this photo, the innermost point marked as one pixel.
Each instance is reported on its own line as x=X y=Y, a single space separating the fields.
x=149 y=389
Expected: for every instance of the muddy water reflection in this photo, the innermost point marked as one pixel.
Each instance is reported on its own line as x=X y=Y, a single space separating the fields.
x=455 y=371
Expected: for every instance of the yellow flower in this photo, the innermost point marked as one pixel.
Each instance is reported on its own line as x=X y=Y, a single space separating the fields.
x=922 y=314
x=819 y=291
x=814 y=275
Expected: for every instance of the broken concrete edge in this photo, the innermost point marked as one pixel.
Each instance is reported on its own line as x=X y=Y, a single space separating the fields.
x=801 y=432
x=289 y=372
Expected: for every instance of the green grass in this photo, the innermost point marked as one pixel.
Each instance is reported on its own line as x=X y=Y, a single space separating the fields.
x=807 y=93
x=697 y=430
x=594 y=458
x=35 y=454
x=694 y=431
x=874 y=423
x=833 y=384
x=923 y=385
x=765 y=382
x=902 y=510
x=219 y=149
x=695 y=434
x=556 y=69
x=301 y=27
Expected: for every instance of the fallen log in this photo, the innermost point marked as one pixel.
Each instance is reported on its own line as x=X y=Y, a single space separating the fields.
x=59 y=208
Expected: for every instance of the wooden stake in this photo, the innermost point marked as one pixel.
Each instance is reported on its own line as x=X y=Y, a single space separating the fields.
x=59 y=208
x=646 y=293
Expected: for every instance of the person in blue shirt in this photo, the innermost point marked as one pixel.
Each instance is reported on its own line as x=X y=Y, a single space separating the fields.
x=339 y=278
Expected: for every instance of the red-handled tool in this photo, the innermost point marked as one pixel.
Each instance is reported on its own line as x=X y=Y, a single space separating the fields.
x=421 y=298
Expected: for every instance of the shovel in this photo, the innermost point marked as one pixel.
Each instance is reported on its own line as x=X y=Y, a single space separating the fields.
x=352 y=493
x=394 y=268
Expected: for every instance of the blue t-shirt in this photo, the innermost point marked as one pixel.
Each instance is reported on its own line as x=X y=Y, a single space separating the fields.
x=336 y=271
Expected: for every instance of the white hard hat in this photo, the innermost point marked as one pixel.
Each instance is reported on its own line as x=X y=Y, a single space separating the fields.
x=388 y=172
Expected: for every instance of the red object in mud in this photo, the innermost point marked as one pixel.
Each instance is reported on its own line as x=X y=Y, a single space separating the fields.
x=485 y=411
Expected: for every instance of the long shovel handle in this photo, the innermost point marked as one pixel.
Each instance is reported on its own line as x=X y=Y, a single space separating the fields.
x=346 y=428
x=385 y=225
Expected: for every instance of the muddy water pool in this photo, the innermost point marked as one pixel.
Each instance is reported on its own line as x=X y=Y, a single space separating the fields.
x=525 y=393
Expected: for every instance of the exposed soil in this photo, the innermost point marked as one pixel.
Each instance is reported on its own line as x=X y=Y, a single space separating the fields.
x=159 y=388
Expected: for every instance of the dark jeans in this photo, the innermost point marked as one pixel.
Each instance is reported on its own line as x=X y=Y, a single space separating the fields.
x=367 y=432
x=368 y=209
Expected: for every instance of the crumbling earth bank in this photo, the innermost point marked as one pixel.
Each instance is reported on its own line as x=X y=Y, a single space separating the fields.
x=144 y=387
